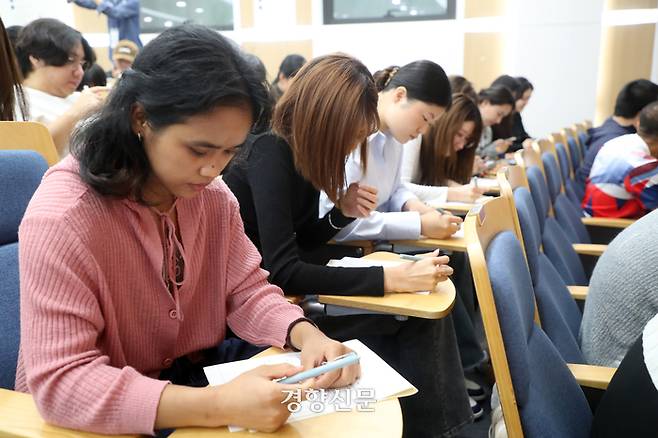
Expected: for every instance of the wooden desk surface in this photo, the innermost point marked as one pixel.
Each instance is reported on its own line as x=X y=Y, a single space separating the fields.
x=457 y=244
x=19 y=418
x=432 y=306
x=386 y=421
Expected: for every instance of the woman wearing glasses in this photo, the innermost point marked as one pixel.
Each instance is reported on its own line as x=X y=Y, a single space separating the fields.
x=439 y=166
x=52 y=59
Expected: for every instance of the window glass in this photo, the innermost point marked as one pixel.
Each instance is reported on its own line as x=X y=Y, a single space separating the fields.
x=371 y=11
x=158 y=15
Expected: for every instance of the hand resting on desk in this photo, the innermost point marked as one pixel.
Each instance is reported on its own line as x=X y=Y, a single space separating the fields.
x=417 y=276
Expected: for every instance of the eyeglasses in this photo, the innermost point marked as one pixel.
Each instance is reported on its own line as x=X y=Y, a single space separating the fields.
x=72 y=62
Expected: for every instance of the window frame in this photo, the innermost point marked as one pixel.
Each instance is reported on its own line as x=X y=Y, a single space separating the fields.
x=328 y=16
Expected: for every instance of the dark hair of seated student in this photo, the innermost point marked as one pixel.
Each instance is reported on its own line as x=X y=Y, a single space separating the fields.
x=439 y=161
x=48 y=40
x=504 y=128
x=11 y=91
x=287 y=70
x=94 y=77
x=461 y=85
x=117 y=164
x=634 y=96
x=257 y=66
x=424 y=80
x=648 y=127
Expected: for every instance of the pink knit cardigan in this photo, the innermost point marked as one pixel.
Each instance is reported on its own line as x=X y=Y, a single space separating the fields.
x=98 y=323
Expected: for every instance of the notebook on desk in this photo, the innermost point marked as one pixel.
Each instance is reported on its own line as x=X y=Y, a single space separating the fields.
x=378 y=381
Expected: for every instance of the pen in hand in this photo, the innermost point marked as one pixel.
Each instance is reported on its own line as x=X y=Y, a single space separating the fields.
x=413 y=258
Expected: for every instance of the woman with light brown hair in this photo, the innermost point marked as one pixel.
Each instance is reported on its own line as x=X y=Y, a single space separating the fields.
x=439 y=167
x=329 y=109
x=11 y=92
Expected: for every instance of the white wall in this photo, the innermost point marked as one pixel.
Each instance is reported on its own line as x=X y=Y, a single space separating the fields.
x=556 y=46
x=21 y=12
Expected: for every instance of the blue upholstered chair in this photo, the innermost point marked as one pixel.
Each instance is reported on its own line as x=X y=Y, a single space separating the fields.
x=571 y=188
x=556 y=244
x=558 y=312
x=539 y=395
x=574 y=150
x=20 y=175
x=567 y=212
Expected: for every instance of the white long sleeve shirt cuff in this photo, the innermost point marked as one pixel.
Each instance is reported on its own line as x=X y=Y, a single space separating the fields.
x=403 y=225
x=437 y=194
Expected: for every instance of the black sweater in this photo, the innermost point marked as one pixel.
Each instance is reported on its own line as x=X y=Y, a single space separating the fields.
x=279 y=209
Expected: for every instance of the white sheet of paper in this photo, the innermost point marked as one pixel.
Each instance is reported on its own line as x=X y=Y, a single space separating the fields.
x=376 y=375
x=459 y=234
x=487 y=183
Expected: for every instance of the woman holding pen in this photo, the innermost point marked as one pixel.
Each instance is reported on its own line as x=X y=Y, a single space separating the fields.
x=329 y=109
x=438 y=166
x=133 y=259
x=410 y=99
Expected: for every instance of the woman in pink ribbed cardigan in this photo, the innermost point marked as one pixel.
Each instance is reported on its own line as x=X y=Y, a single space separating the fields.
x=133 y=258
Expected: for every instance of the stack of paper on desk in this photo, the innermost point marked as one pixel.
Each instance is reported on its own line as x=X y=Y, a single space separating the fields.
x=376 y=375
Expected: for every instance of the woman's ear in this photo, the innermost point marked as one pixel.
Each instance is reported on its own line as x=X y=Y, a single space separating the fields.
x=36 y=62
x=138 y=119
x=400 y=94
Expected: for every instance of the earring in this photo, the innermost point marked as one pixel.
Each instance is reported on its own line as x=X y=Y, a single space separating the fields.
x=139 y=136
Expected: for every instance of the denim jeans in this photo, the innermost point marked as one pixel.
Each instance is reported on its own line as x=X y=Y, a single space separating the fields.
x=424 y=351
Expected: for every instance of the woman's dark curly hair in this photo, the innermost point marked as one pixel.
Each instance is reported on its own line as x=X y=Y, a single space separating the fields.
x=185 y=71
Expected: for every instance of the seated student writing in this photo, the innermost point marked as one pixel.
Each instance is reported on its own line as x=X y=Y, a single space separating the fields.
x=438 y=166
x=329 y=109
x=133 y=258
x=410 y=98
x=623 y=181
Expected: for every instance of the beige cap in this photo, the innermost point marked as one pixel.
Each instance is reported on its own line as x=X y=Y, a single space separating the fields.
x=126 y=50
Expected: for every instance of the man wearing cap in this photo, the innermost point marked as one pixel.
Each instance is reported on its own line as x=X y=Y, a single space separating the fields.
x=122 y=57
x=122 y=18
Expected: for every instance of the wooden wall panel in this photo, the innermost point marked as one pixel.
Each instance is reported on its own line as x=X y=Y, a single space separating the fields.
x=484 y=8
x=273 y=53
x=304 y=9
x=246 y=13
x=483 y=57
x=630 y=4
x=626 y=54
x=89 y=21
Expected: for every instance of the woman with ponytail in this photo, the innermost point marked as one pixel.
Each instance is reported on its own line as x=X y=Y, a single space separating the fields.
x=133 y=259
x=410 y=99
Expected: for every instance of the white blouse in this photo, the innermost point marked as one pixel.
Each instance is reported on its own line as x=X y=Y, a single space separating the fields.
x=388 y=222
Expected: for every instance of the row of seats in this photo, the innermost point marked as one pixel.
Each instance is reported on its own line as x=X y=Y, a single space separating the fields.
x=528 y=275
